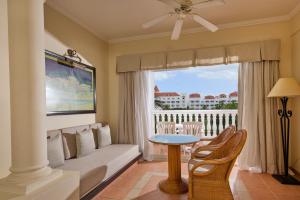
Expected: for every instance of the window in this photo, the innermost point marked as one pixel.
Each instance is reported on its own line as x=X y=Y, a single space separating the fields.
x=214 y=85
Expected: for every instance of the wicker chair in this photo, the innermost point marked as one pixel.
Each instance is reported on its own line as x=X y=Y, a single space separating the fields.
x=214 y=143
x=166 y=128
x=209 y=178
x=191 y=128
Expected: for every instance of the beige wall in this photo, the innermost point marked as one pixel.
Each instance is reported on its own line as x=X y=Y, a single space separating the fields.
x=204 y=39
x=295 y=135
x=62 y=33
x=4 y=93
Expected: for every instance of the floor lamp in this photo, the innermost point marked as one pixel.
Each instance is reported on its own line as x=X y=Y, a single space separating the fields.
x=284 y=89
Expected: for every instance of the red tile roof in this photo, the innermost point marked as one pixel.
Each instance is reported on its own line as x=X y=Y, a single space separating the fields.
x=166 y=94
x=209 y=97
x=233 y=94
x=195 y=95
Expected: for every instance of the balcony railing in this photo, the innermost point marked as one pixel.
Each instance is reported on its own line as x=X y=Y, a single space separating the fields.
x=213 y=121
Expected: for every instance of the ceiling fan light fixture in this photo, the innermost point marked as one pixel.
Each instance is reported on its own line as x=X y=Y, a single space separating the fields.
x=183 y=8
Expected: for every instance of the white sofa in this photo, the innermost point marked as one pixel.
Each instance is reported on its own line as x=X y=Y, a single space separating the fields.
x=99 y=166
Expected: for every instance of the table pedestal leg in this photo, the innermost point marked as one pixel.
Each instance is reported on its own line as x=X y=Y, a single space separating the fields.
x=174 y=184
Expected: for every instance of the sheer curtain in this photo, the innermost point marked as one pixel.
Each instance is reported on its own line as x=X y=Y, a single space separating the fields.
x=258 y=115
x=135 y=105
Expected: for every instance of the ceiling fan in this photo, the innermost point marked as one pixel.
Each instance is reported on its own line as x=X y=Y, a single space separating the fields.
x=183 y=9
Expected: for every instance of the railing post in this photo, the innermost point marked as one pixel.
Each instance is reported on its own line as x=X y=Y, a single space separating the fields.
x=205 y=124
x=213 y=121
x=199 y=118
x=230 y=119
x=236 y=121
x=223 y=121
x=211 y=124
x=217 y=123
x=155 y=124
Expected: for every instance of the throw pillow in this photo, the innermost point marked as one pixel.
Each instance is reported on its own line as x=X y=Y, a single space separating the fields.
x=95 y=133
x=85 y=143
x=104 y=137
x=69 y=143
x=55 y=151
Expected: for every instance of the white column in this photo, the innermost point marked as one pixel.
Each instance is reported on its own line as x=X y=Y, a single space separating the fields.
x=28 y=107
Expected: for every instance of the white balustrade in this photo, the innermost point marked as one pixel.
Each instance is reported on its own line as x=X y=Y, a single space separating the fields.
x=214 y=121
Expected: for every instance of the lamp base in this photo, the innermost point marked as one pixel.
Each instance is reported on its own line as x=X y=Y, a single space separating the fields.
x=286 y=180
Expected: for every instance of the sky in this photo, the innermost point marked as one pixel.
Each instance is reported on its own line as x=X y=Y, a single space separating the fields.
x=211 y=80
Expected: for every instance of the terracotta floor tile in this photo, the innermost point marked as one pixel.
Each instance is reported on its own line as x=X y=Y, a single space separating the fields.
x=152 y=184
x=114 y=193
x=287 y=197
x=141 y=182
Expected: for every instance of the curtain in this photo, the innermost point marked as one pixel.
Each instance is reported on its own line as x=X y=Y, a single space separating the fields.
x=135 y=105
x=247 y=52
x=258 y=115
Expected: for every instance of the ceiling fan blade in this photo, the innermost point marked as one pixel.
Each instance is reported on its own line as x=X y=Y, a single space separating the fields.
x=177 y=29
x=154 y=21
x=208 y=3
x=172 y=3
x=205 y=23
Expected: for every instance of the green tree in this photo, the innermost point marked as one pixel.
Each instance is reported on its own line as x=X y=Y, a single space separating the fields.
x=204 y=107
x=220 y=106
x=232 y=106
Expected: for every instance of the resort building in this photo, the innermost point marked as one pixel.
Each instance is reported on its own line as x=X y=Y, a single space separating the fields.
x=193 y=101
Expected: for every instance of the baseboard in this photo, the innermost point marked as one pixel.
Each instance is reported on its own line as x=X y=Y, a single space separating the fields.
x=105 y=183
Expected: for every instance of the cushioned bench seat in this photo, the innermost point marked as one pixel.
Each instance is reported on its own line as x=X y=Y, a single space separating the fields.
x=101 y=164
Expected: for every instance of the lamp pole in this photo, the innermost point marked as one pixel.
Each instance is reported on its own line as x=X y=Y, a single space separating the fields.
x=283 y=89
x=285 y=115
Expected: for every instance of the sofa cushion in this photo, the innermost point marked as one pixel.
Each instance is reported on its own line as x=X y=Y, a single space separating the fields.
x=101 y=164
x=95 y=128
x=104 y=137
x=69 y=140
x=55 y=150
x=70 y=148
x=95 y=134
x=85 y=143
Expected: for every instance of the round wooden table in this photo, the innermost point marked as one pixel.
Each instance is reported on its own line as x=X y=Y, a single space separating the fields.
x=174 y=184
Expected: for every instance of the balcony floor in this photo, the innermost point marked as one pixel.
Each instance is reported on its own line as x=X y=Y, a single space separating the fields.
x=140 y=182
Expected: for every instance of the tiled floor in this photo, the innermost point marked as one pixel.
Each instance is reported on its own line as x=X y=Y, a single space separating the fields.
x=140 y=182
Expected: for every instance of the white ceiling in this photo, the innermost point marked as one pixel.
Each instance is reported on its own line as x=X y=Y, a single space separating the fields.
x=115 y=19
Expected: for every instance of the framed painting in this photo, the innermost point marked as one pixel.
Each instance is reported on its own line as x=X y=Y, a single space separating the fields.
x=70 y=86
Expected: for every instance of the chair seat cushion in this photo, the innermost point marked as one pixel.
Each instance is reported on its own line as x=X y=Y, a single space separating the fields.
x=101 y=164
x=202 y=154
x=200 y=169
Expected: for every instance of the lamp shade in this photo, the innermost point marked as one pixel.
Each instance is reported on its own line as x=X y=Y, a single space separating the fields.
x=285 y=87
